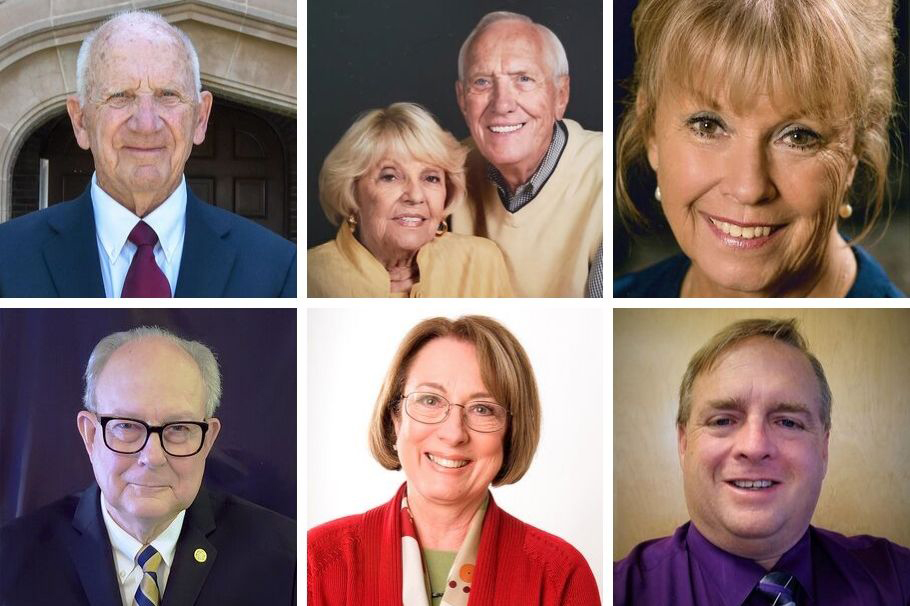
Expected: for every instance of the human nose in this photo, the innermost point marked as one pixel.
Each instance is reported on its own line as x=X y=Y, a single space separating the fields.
x=503 y=96
x=412 y=192
x=145 y=116
x=152 y=453
x=754 y=441
x=748 y=178
x=453 y=429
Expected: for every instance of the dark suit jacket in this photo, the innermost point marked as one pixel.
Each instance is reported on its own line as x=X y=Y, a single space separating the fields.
x=54 y=253
x=61 y=555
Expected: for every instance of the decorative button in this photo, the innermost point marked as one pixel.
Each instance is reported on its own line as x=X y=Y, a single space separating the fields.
x=200 y=555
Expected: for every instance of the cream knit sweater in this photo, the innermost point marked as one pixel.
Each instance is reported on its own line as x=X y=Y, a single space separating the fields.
x=549 y=243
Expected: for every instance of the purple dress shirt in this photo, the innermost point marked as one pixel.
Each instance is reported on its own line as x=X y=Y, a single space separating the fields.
x=686 y=570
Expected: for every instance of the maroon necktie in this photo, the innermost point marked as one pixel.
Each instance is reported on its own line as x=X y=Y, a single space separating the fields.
x=145 y=278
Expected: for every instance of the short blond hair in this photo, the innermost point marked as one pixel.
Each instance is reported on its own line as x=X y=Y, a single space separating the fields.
x=833 y=56
x=784 y=331
x=506 y=372
x=405 y=129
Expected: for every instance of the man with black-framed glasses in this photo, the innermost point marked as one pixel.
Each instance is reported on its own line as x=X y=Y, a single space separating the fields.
x=149 y=533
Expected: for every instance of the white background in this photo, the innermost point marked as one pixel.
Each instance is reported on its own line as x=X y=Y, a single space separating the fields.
x=348 y=353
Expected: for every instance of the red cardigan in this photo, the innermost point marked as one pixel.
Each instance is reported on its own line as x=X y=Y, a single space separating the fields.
x=357 y=561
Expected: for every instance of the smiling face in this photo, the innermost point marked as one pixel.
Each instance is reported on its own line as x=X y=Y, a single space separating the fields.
x=749 y=196
x=401 y=203
x=155 y=381
x=141 y=117
x=447 y=463
x=754 y=451
x=510 y=99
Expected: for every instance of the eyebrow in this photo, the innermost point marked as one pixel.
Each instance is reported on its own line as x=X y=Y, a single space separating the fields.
x=473 y=396
x=168 y=419
x=735 y=404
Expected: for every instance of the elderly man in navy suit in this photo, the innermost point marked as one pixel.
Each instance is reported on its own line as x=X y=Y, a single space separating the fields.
x=147 y=532
x=137 y=230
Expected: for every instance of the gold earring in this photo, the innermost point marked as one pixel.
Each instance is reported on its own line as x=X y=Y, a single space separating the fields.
x=352 y=221
x=845 y=211
x=657 y=193
x=443 y=228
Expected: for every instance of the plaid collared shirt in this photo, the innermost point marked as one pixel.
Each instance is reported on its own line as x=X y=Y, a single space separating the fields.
x=595 y=285
x=525 y=193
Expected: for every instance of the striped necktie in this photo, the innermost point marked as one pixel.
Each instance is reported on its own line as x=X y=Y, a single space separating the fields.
x=147 y=593
x=780 y=589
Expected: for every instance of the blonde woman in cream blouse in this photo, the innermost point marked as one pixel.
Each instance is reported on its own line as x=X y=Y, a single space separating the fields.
x=389 y=184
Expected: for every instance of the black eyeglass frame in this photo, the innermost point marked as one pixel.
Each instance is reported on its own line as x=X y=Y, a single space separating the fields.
x=403 y=400
x=149 y=430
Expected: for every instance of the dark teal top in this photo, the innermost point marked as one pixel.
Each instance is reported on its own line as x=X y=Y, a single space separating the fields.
x=665 y=279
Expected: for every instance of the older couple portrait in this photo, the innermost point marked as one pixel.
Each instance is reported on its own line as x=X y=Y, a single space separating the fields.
x=515 y=209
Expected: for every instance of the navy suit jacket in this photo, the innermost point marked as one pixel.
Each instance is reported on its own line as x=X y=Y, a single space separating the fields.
x=54 y=253
x=61 y=555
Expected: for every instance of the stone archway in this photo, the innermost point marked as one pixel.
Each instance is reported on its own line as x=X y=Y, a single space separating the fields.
x=246 y=54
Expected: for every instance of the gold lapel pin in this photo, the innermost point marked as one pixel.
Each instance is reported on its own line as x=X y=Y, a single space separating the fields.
x=200 y=555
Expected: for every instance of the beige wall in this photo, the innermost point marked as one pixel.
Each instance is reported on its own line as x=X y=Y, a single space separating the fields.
x=866 y=356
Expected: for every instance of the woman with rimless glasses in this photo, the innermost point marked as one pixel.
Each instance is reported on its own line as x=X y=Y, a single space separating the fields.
x=457 y=412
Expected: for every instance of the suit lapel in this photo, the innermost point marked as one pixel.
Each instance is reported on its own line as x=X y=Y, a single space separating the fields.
x=90 y=550
x=188 y=574
x=207 y=257
x=71 y=254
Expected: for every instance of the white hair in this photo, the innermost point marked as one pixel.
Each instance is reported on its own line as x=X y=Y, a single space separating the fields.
x=148 y=18
x=203 y=357
x=559 y=63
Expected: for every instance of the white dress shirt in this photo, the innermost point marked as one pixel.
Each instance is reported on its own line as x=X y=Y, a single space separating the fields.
x=113 y=224
x=126 y=549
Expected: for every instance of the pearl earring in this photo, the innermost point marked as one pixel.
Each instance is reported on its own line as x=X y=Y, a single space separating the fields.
x=657 y=193
x=845 y=211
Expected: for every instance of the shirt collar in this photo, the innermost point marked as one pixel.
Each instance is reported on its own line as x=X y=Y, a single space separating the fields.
x=735 y=577
x=526 y=191
x=126 y=548
x=114 y=222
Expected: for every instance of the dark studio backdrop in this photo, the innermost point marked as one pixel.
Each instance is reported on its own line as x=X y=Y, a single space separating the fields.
x=43 y=353
x=891 y=248
x=367 y=55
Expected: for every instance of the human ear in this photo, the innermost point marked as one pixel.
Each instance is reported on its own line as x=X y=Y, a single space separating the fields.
x=459 y=96
x=650 y=142
x=202 y=118
x=853 y=162
x=212 y=434
x=681 y=444
x=562 y=96
x=77 y=117
x=825 y=452
x=85 y=423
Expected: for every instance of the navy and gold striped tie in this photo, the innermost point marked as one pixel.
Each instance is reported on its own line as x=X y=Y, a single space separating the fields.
x=147 y=594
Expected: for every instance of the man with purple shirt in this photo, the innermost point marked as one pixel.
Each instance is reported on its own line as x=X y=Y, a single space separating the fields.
x=753 y=424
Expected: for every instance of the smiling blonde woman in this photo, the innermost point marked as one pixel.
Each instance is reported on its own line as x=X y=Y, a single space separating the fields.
x=766 y=122
x=390 y=183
